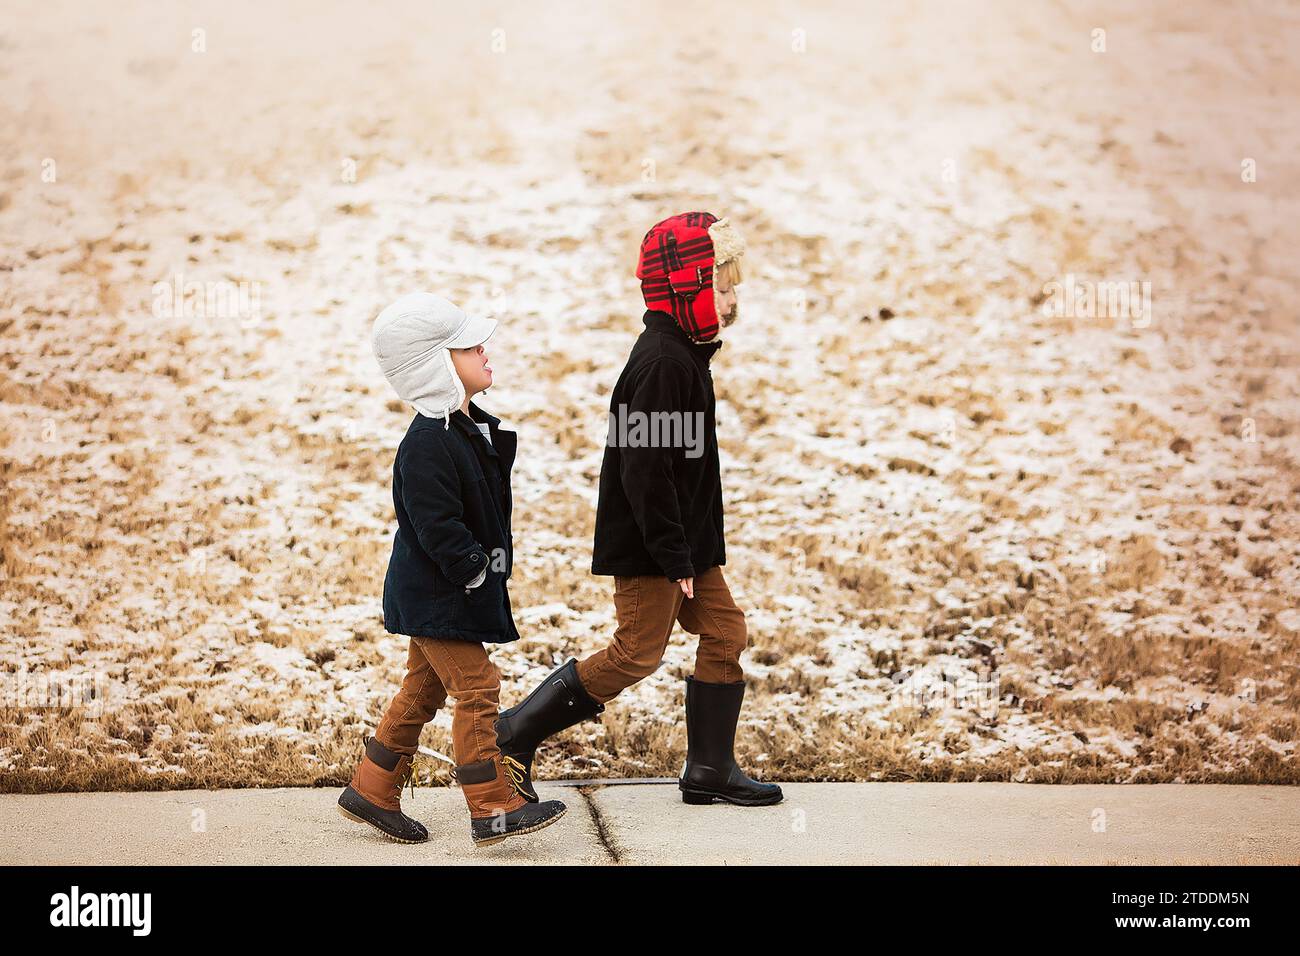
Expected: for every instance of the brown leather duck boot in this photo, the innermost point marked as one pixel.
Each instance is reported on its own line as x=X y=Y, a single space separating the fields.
x=496 y=811
x=374 y=795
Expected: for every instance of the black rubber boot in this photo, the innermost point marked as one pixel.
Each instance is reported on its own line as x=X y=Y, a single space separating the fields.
x=556 y=703
x=529 y=817
x=711 y=772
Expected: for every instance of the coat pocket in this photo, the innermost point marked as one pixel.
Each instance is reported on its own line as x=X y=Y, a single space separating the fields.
x=482 y=608
x=478 y=596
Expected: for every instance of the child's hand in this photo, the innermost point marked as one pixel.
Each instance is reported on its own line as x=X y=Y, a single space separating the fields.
x=688 y=586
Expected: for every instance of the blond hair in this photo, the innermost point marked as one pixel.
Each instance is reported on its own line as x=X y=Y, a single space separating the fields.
x=729 y=272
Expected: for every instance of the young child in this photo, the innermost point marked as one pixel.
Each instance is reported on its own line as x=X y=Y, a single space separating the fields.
x=659 y=525
x=446 y=581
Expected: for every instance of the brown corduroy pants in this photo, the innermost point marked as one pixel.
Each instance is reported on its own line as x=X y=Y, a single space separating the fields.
x=647 y=607
x=436 y=668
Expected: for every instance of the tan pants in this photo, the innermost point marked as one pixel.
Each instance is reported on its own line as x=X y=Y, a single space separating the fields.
x=647 y=607
x=436 y=668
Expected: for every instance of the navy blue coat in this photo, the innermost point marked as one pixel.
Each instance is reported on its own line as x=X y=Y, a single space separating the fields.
x=451 y=492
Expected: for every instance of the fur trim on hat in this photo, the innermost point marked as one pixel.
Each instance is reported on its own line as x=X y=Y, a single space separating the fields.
x=728 y=244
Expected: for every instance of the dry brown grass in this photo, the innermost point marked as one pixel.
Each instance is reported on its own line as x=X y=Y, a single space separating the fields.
x=928 y=479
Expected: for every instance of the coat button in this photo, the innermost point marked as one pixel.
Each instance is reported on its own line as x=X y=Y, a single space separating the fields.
x=474 y=558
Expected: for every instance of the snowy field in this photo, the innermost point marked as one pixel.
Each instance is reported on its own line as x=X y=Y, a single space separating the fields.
x=1010 y=420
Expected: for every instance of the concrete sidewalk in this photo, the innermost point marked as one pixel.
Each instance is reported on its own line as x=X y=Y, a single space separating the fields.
x=963 y=823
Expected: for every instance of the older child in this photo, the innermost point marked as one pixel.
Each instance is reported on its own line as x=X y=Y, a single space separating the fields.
x=446 y=581
x=659 y=526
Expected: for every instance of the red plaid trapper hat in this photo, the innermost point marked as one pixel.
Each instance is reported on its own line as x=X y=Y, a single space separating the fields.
x=677 y=268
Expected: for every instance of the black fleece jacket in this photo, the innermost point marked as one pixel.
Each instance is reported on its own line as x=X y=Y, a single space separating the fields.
x=660 y=504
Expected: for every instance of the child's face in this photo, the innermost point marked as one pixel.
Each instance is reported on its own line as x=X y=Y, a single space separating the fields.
x=473 y=368
x=725 y=298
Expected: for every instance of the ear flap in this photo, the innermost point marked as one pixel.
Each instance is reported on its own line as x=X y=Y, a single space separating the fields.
x=687 y=282
x=456 y=384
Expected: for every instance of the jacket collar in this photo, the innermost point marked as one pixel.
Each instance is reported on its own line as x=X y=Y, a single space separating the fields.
x=662 y=322
x=504 y=441
x=478 y=415
x=466 y=422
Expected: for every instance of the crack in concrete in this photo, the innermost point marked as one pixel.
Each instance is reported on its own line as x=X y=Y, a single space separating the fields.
x=602 y=829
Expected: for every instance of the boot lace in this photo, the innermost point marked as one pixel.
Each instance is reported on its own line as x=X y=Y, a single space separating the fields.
x=517 y=772
x=407 y=777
